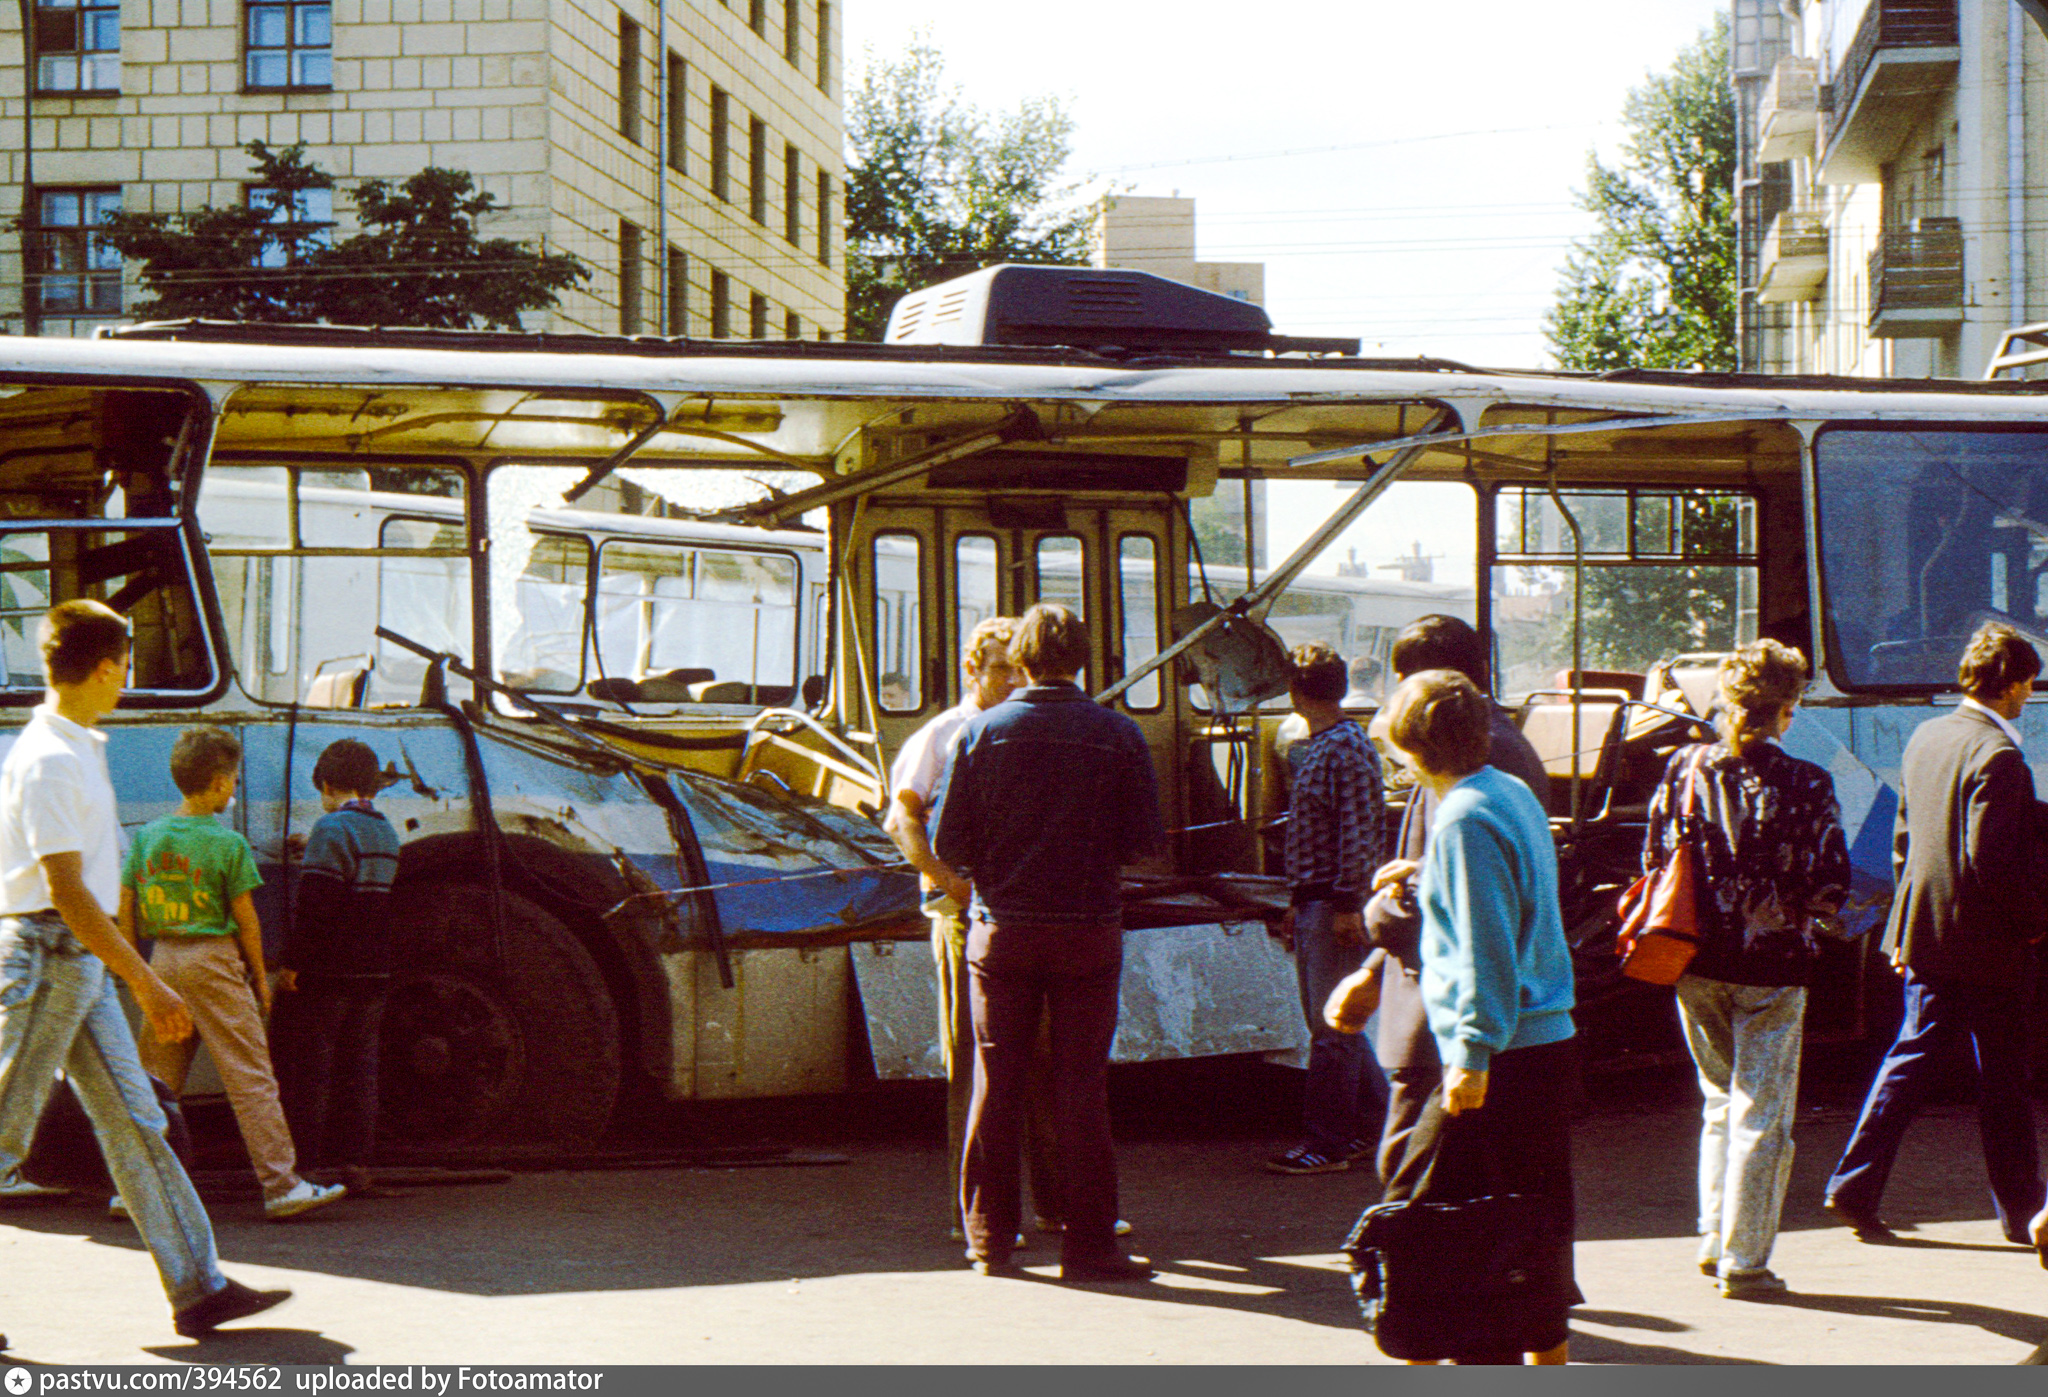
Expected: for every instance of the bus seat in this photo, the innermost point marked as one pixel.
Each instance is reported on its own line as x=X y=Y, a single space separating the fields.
x=1627 y=681
x=1698 y=677
x=674 y=686
x=613 y=690
x=1545 y=719
x=774 y=695
x=339 y=688
x=721 y=691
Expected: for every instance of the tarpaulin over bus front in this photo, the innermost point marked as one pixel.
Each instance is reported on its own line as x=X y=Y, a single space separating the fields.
x=753 y=842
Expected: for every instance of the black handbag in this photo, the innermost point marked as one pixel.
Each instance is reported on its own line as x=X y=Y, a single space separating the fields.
x=1456 y=1280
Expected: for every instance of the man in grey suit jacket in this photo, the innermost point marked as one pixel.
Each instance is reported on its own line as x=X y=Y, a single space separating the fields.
x=1968 y=905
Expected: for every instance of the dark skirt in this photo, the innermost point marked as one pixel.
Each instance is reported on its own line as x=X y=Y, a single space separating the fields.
x=1518 y=1142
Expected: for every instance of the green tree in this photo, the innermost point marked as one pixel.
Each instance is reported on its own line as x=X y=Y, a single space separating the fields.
x=1655 y=286
x=416 y=261
x=936 y=188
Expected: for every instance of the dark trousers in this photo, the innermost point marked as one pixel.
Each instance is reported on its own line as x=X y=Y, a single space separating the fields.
x=1944 y=1017
x=1068 y=973
x=323 y=1038
x=1520 y=1141
x=1409 y=1090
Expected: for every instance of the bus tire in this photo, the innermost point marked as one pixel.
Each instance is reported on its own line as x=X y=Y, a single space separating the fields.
x=525 y=1051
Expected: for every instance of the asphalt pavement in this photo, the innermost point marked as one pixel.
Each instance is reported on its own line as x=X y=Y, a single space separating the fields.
x=847 y=1262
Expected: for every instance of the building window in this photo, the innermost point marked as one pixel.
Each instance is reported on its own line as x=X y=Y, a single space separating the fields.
x=824 y=219
x=289 y=45
x=721 y=306
x=306 y=214
x=792 y=326
x=629 y=278
x=792 y=196
x=825 y=47
x=757 y=169
x=76 y=273
x=757 y=17
x=678 y=293
x=757 y=317
x=78 y=45
x=629 y=80
x=721 y=120
x=676 y=113
x=792 y=30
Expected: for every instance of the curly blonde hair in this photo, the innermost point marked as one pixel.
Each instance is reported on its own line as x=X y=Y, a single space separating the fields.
x=1757 y=682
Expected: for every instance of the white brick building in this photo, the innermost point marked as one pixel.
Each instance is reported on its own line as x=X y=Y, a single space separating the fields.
x=689 y=150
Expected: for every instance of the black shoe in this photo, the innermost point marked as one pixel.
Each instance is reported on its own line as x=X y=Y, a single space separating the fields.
x=231 y=1302
x=1864 y=1222
x=1107 y=1268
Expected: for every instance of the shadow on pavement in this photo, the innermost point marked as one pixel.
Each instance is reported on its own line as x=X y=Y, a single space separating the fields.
x=2006 y=1324
x=1622 y=1319
x=300 y=1346
x=1598 y=1348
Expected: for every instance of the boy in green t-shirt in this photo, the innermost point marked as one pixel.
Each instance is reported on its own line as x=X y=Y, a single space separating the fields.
x=186 y=885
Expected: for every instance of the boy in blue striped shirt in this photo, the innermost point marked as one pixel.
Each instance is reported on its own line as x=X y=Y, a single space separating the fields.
x=337 y=964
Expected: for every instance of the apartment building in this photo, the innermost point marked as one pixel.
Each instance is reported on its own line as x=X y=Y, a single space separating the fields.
x=689 y=150
x=1894 y=161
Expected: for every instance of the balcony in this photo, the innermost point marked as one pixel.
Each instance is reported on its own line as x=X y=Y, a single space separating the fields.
x=1793 y=264
x=1916 y=281
x=1902 y=59
x=1788 y=110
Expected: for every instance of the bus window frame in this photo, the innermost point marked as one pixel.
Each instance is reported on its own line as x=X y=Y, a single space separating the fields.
x=1833 y=653
x=296 y=464
x=611 y=536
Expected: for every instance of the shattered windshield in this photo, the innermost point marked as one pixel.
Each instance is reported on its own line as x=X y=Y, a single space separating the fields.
x=1925 y=534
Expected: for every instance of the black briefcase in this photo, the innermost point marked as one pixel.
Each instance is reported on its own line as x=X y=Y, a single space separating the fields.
x=1458 y=1280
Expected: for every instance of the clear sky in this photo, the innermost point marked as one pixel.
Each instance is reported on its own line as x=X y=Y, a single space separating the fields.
x=1405 y=171
x=1427 y=202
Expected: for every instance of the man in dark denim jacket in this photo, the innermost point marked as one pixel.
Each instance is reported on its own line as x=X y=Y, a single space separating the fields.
x=1044 y=800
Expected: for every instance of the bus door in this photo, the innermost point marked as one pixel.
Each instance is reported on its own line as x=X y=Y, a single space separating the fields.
x=1110 y=563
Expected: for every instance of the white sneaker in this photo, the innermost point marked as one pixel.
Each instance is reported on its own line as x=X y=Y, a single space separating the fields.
x=303 y=1198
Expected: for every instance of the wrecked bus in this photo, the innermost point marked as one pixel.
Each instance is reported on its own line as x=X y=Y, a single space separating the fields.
x=634 y=717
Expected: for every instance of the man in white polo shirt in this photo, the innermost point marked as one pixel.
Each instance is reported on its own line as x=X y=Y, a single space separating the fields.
x=913 y=782
x=60 y=883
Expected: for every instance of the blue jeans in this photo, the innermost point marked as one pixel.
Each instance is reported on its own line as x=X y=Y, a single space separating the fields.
x=58 y=1011
x=1346 y=1094
x=1945 y=1016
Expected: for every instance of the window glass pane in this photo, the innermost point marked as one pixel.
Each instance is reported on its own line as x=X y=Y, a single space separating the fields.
x=313 y=69
x=24 y=597
x=1059 y=571
x=1138 y=579
x=60 y=209
x=421 y=598
x=310 y=26
x=1925 y=535
x=1653 y=525
x=898 y=645
x=544 y=652
x=268 y=27
x=267 y=69
x=974 y=583
x=103 y=30
x=1635 y=616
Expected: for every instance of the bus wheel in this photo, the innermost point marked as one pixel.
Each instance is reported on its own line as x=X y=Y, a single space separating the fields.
x=521 y=1050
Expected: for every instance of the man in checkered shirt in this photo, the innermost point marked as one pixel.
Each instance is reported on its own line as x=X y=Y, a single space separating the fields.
x=1335 y=839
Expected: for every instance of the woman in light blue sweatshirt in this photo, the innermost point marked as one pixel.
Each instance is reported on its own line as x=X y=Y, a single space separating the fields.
x=1496 y=978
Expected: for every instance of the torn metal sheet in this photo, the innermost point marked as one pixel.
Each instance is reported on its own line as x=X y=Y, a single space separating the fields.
x=1187 y=991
